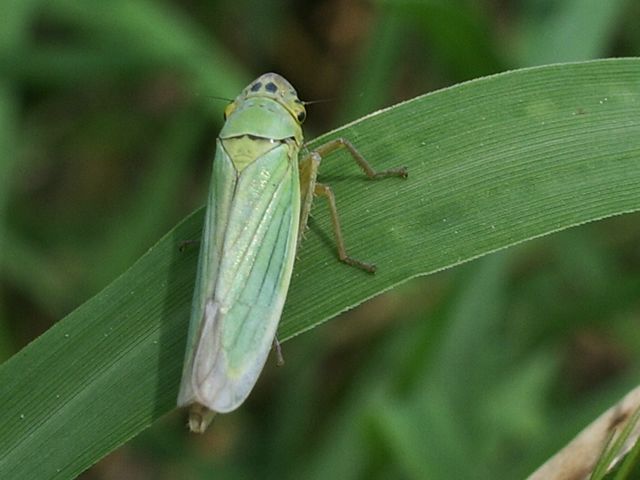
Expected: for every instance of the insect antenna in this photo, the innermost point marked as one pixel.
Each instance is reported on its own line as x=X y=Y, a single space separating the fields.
x=322 y=100
x=213 y=97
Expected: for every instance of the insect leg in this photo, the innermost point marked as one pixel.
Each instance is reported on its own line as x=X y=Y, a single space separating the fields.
x=308 y=167
x=278 y=350
x=185 y=244
x=325 y=191
x=340 y=143
x=309 y=187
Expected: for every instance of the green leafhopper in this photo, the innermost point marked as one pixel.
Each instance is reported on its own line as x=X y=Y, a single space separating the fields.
x=258 y=207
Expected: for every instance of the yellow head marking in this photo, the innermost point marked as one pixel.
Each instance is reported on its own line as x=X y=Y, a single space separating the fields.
x=228 y=110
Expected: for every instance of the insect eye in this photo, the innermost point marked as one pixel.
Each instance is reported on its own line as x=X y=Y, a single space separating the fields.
x=301 y=116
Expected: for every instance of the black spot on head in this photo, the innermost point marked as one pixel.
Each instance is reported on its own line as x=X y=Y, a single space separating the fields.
x=256 y=86
x=301 y=116
x=271 y=87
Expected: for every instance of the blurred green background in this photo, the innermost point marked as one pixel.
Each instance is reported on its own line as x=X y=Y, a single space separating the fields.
x=106 y=135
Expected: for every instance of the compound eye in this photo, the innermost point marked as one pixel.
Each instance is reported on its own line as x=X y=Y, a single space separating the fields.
x=302 y=115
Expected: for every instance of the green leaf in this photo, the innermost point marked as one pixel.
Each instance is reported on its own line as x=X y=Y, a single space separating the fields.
x=568 y=31
x=492 y=163
x=139 y=30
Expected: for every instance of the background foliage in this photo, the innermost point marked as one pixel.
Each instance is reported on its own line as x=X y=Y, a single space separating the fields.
x=106 y=131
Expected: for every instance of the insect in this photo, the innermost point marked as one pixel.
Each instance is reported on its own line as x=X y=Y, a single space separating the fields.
x=257 y=209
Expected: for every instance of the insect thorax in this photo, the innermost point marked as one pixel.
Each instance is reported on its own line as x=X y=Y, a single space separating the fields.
x=246 y=149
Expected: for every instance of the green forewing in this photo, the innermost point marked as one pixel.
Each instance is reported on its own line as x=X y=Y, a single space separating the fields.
x=258 y=252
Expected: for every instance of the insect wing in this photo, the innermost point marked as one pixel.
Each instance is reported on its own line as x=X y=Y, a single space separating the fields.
x=222 y=187
x=245 y=267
